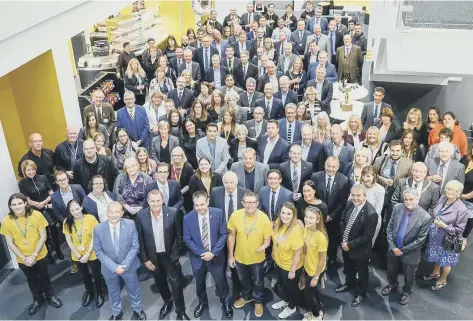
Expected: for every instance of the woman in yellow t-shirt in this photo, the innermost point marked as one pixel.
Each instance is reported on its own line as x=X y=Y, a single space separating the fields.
x=315 y=251
x=78 y=229
x=25 y=232
x=288 y=243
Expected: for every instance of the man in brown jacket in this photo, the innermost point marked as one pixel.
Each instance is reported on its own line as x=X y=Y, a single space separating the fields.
x=104 y=112
x=350 y=61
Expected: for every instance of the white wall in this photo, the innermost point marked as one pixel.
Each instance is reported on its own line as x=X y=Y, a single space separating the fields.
x=223 y=7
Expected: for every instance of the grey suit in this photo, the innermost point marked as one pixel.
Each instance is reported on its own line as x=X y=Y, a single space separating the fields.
x=292 y=57
x=244 y=102
x=250 y=125
x=345 y=157
x=240 y=114
x=428 y=198
x=455 y=171
x=173 y=142
x=238 y=90
x=415 y=236
x=128 y=246
x=222 y=156
x=196 y=73
x=367 y=115
x=403 y=167
x=261 y=171
x=324 y=44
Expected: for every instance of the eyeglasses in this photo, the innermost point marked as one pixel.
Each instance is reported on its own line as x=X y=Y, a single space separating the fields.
x=162 y=172
x=250 y=203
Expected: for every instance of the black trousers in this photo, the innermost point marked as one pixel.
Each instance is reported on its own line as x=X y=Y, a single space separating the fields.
x=290 y=287
x=217 y=271
x=468 y=228
x=38 y=279
x=140 y=99
x=395 y=265
x=351 y=268
x=169 y=270
x=335 y=62
x=87 y=275
x=312 y=295
x=334 y=239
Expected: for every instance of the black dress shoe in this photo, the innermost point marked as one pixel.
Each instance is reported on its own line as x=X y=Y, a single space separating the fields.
x=165 y=310
x=405 y=297
x=100 y=300
x=139 y=316
x=117 y=317
x=182 y=316
x=35 y=307
x=199 y=309
x=87 y=297
x=143 y=276
x=342 y=288
x=228 y=311
x=54 y=301
x=388 y=289
x=357 y=301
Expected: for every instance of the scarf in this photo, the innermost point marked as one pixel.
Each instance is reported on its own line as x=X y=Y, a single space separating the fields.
x=123 y=151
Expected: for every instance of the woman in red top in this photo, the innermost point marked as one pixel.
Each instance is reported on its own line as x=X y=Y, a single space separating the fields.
x=459 y=137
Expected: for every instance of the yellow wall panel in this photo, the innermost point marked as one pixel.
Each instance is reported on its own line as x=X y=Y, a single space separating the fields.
x=173 y=23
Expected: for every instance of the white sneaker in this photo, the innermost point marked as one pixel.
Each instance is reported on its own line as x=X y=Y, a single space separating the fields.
x=279 y=305
x=286 y=313
x=321 y=316
x=308 y=314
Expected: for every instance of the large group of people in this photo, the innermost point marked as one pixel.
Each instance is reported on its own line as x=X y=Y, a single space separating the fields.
x=228 y=155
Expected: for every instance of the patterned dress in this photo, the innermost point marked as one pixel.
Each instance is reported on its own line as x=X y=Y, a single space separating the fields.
x=436 y=252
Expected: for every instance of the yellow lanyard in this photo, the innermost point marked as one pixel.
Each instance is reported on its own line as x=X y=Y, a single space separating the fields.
x=469 y=168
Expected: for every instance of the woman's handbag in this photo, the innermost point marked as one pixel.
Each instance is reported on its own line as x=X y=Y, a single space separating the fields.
x=453 y=243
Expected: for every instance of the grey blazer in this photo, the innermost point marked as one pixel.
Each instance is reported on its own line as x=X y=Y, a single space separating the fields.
x=196 y=73
x=222 y=156
x=367 y=115
x=428 y=199
x=281 y=61
x=324 y=45
x=250 y=125
x=261 y=171
x=455 y=170
x=238 y=90
x=240 y=114
x=173 y=142
x=403 y=169
x=416 y=233
x=102 y=129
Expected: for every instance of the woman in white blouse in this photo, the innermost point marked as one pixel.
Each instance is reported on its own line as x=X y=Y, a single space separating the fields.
x=374 y=193
x=154 y=109
x=96 y=203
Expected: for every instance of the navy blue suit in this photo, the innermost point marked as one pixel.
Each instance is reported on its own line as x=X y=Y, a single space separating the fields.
x=291 y=97
x=176 y=199
x=315 y=156
x=59 y=207
x=277 y=109
x=278 y=155
x=296 y=131
x=199 y=56
x=138 y=128
x=217 y=199
x=263 y=201
x=237 y=45
x=217 y=266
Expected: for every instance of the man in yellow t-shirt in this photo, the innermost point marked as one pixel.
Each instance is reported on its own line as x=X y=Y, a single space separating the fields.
x=251 y=231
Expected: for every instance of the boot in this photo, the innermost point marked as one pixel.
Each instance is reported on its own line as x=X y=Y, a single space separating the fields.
x=100 y=293
x=87 y=298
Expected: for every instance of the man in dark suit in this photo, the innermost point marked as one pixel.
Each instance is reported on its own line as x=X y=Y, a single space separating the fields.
x=177 y=61
x=242 y=44
x=340 y=149
x=172 y=196
x=251 y=35
x=333 y=189
x=230 y=61
x=65 y=193
x=245 y=70
x=251 y=174
x=312 y=151
x=205 y=235
x=279 y=45
x=299 y=37
x=289 y=127
x=258 y=41
x=272 y=148
x=335 y=39
x=258 y=125
x=371 y=113
x=248 y=17
x=350 y=61
x=317 y=19
x=228 y=197
x=273 y=196
x=324 y=89
x=295 y=172
x=217 y=73
x=429 y=192
x=191 y=66
x=204 y=54
x=273 y=107
x=407 y=232
x=185 y=45
x=286 y=95
x=219 y=44
x=250 y=96
x=357 y=227
x=330 y=70
x=268 y=30
x=134 y=119
x=181 y=96
x=104 y=113
x=160 y=243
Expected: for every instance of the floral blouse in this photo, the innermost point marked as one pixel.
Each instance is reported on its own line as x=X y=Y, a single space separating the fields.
x=134 y=194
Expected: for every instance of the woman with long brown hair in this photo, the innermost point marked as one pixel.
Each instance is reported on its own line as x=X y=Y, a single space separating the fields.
x=199 y=115
x=216 y=104
x=146 y=164
x=409 y=146
x=205 y=95
x=99 y=140
x=227 y=127
x=433 y=119
x=136 y=81
x=93 y=127
x=204 y=178
x=297 y=77
x=171 y=46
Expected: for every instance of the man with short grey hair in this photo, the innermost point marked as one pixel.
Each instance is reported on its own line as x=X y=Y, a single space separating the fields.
x=443 y=169
x=245 y=69
x=251 y=174
x=286 y=95
x=134 y=119
x=406 y=232
x=191 y=66
x=250 y=96
x=286 y=60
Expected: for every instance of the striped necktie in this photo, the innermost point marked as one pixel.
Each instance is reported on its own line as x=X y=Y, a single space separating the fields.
x=352 y=219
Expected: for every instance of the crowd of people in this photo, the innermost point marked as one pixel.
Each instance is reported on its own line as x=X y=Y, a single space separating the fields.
x=225 y=152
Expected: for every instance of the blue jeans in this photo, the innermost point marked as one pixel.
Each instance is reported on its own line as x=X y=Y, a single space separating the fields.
x=252 y=281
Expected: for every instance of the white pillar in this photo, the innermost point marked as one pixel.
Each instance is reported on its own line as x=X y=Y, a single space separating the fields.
x=67 y=84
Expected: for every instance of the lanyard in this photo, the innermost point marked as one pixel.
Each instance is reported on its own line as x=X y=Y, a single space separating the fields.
x=178 y=177
x=444 y=209
x=73 y=150
x=252 y=226
x=469 y=168
x=282 y=237
x=227 y=134
x=23 y=232
x=79 y=235
x=105 y=199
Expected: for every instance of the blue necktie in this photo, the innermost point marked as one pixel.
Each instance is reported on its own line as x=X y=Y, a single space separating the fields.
x=392 y=172
x=333 y=42
x=206 y=58
x=402 y=229
x=115 y=239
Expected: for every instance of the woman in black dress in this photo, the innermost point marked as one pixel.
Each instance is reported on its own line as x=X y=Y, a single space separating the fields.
x=38 y=193
x=409 y=146
x=200 y=116
x=188 y=141
x=297 y=77
x=175 y=122
x=309 y=199
x=228 y=125
x=181 y=171
x=204 y=178
x=433 y=119
x=171 y=45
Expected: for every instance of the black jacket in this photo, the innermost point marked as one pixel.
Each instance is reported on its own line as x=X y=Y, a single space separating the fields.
x=44 y=164
x=195 y=183
x=233 y=147
x=64 y=155
x=105 y=167
x=132 y=83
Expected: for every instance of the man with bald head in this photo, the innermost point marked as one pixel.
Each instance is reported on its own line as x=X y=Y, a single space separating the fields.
x=220 y=44
x=251 y=174
x=43 y=158
x=69 y=152
x=229 y=196
x=270 y=77
x=286 y=94
x=337 y=147
x=428 y=192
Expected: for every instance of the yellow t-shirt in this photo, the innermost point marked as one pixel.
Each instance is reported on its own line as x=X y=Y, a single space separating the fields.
x=26 y=245
x=288 y=244
x=315 y=242
x=89 y=223
x=245 y=247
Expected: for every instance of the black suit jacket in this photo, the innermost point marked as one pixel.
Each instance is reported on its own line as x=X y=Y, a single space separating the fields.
x=290 y=98
x=277 y=109
x=233 y=147
x=252 y=71
x=186 y=172
x=172 y=234
x=264 y=79
x=338 y=40
x=236 y=63
x=173 y=63
x=176 y=199
x=195 y=183
x=217 y=199
x=199 y=56
x=394 y=132
x=338 y=197
x=285 y=169
x=306 y=59
x=236 y=46
x=362 y=231
x=209 y=75
x=327 y=94
x=315 y=156
x=278 y=155
x=244 y=100
x=186 y=100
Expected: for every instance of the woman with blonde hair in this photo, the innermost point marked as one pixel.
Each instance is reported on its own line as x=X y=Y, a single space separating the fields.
x=414 y=123
x=168 y=71
x=321 y=127
x=99 y=140
x=154 y=109
x=374 y=143
x=92 y=127
x=268 y=49
x=375 y=194
x=297 y=76
x=313 y=106
x=147 y=165
x=227 y=126
x=163 y=144
x=181 y=171
x=237 y=145
x=190 y=83
x=361 y=159
x=231 y=100
x=354 y=134
x=123 y=148
x=136 y=81
x=288 y=243
x=315 y=257
x=161 y=82
x=217 y=102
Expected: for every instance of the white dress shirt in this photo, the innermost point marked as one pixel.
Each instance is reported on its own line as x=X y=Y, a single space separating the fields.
x=332 y=179
x=269 y=149
x=305 y=151
x=201 y=224
x=158 y=231
x=273 y=80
